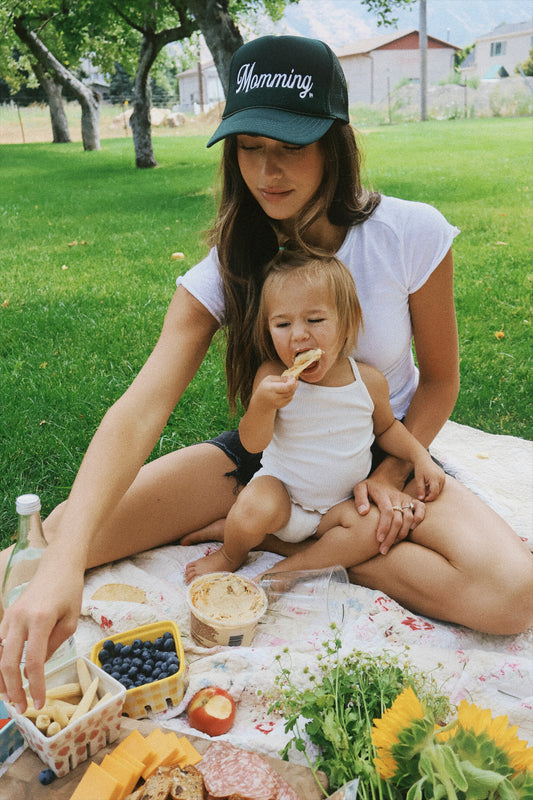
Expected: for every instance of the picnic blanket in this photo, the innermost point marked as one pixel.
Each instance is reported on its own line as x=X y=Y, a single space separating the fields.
x=491 y=671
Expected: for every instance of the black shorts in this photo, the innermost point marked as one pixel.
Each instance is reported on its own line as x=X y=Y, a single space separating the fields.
x=247 y=464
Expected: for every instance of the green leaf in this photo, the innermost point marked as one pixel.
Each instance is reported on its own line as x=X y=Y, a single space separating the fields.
x=480 y=781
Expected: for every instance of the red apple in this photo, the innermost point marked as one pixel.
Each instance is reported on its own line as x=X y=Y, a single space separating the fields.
x=212 y=711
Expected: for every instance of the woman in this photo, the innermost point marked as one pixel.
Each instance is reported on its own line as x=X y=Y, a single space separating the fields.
x=291 y=172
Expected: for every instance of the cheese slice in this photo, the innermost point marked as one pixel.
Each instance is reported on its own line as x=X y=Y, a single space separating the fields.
x=123 y=772
x=190 y=755
x=136 y=745
x=97 y=783
x=166 y=749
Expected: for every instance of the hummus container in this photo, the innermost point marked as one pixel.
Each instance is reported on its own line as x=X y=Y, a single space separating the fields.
x=225 y=609
x=153 y=696
x=81 y=739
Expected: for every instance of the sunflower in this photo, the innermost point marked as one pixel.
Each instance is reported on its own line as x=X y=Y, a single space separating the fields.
x=488 y=741
x=388 y=732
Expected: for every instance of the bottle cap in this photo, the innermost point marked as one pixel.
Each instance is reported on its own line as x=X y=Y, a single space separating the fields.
x=28 y=503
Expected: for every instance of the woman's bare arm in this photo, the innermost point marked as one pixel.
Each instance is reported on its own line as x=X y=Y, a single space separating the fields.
x=48 y=609
x=436 y=343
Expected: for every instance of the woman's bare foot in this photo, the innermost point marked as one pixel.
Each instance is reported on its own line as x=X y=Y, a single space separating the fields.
x=214 y=532
x=218 y=561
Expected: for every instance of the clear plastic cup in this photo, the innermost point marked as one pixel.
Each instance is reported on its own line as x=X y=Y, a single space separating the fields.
x=318 y=597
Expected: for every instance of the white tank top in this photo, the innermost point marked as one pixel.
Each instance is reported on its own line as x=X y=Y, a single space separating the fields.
x=321 y=443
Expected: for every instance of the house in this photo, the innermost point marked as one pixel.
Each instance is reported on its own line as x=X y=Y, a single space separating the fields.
x=373 y=67
x=499 y=51
x=200 y=88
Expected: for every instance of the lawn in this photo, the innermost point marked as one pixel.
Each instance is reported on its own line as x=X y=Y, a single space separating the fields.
x=87 y=274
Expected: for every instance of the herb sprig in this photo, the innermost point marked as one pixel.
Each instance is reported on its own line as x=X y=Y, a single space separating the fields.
x=336 y=709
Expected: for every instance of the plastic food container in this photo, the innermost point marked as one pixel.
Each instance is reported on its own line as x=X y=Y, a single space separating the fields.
x=81 y=739
x=10 y=736
x=157 y=695
x=225 y=609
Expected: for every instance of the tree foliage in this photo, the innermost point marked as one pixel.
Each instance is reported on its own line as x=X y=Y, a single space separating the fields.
x=527 y=65
x=384 y=9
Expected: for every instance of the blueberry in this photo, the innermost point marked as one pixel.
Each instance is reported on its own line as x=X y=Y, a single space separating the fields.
x=169 y=645
x=103 y=656
x=109 y=644
x=46 y=776
x=126 y=650
x=132 y=673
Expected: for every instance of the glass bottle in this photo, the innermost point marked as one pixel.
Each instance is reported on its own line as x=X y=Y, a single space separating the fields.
x=23 y=563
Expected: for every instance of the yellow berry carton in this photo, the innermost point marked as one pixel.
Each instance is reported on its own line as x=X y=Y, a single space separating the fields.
x=155 y=695
x=82 y=714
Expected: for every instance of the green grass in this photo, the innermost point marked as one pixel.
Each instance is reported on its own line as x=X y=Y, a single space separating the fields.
x=78 y=320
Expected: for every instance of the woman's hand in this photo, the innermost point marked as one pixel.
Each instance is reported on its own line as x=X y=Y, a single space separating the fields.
x=399 y=512
x=43 y=617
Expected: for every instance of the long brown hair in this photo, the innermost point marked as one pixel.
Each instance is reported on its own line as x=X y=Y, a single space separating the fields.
x=246 y=240
x=335 y=281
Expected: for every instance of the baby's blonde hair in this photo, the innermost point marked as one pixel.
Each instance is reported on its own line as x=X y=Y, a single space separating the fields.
x=326 y=271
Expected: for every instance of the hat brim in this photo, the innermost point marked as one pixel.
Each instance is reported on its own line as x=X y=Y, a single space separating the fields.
x=273 y=123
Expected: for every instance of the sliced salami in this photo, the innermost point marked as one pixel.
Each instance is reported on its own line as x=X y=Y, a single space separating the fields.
x=228 y=770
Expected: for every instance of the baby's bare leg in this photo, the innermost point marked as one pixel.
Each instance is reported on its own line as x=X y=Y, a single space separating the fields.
x=262 y=507
x=343 y=537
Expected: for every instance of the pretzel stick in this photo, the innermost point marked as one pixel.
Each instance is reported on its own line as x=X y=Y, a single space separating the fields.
x=85 y=703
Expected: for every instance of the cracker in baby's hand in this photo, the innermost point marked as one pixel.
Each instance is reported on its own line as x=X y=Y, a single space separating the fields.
x=302 y=361
x=120 y=591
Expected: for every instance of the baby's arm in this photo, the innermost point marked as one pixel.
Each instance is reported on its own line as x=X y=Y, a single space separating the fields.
x=399 y=442
x=394 y=438
x=270 y=392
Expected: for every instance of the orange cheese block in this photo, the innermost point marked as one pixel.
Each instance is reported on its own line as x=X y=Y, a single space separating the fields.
x=136 y=745
x=123 y=772
x=167 y=750
x=97 y=783
x=134 y=764
x=190 y=755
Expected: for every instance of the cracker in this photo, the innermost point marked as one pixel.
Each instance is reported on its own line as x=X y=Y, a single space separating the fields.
x=120 y=591
x=302 y=361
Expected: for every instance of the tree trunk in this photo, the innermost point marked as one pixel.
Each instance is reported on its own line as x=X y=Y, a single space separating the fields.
x=89 y=100
x=54 y=91
x=142 y=102
x=220 y=33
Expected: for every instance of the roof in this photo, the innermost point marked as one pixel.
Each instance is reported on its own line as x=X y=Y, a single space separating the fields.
x=507 y=30
x=363 y=46
x=496 y=71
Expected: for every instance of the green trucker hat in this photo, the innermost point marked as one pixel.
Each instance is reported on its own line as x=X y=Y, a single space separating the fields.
x=288 y=88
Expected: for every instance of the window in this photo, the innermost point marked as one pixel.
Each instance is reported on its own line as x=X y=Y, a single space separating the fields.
x=498 y=48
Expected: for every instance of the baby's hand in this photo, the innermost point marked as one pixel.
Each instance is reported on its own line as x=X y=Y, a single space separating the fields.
x=430 y=480
x=277 y=390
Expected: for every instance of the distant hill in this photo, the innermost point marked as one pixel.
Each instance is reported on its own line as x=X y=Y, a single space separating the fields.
x=459 y=22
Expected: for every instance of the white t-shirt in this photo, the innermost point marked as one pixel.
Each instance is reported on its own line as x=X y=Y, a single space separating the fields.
x=390 y=255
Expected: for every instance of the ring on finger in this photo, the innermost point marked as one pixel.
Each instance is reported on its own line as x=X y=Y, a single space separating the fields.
x=411 y=507
x=398 y=508
x=1 y=642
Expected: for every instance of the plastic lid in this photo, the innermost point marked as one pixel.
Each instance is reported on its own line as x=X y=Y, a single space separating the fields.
x=28 y=503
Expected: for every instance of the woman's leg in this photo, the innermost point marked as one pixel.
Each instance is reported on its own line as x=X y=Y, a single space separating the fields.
x=463 y=564
x=263 y=506
x=171 y=496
